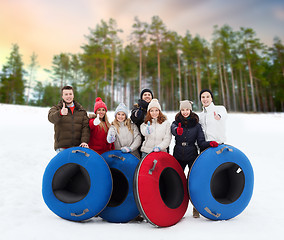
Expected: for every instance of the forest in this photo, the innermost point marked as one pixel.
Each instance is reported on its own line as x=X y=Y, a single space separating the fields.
x=243 y=73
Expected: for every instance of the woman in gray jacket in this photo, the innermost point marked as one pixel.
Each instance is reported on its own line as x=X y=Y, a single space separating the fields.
x=123 y=133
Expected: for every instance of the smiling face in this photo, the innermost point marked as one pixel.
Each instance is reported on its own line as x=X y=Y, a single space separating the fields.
x=101 y=112
x=68 y=96
x=147 y=97
x=154 y=112
x=206 y=99
x=185 y=112
x=120 y=116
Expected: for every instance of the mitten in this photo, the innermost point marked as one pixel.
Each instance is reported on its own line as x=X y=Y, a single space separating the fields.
x=149 y=129
x=126 y=149
x=156 y=149
x=179 y=129
x=213 y=144
x=110 y=138
x=97 y=121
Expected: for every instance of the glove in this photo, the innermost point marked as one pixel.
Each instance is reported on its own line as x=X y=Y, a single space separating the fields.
x=213 y=144
x=179 y=129
x=149 y=129
x=143 y=104
x=126 y=149
x=110 y=138
x=157 y=149
x=97 y=121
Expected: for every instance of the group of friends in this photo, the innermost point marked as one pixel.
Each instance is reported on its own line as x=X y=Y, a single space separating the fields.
x=146 y=130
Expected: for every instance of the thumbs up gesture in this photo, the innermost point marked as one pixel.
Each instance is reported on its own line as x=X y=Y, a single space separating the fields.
x=179 y=129
x=97 y=120
x=217 y=116
x=149 y=129
x=64 y=110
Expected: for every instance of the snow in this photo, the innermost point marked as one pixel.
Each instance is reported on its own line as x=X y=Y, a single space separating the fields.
x=27 y=147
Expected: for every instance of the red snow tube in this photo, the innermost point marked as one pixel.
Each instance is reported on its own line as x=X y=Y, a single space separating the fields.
x=161 y=189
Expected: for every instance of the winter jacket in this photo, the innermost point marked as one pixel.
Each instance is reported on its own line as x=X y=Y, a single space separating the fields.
x=160 y=137
x=214 y=130
x=139 y=112
x=125 y=138
x=69 y=130
x=98 y=138
x=185 y=148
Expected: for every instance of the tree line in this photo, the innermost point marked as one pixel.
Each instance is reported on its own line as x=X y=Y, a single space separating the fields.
x=243 y=73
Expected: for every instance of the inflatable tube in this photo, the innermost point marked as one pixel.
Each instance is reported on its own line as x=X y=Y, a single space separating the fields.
x=161 y=189
x=221 y=182
x=122 y=206
x=77 y=184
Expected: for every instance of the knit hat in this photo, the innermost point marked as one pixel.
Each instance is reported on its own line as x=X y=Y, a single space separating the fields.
x=121 y=108
x=154 y=103
x=146 y=90
x=185 y=104
x=205 y=90
x=99 y=104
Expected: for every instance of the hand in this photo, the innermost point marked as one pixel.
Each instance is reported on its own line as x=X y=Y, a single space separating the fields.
x=179 y=129
x=126 y=149
x=157 y=149
x=83 y=144
x=64 y=110
x=149 y=130
x=97 y=121
x=111 y=137
x=213 y=144
x=217 y=116
x=143 y=104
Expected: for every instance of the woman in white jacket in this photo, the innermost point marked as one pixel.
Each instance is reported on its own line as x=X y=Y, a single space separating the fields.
x=212 y=118
x=156 y=129
x=124 y=133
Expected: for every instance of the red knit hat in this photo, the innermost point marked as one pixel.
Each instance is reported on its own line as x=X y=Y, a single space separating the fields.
x=99 y=104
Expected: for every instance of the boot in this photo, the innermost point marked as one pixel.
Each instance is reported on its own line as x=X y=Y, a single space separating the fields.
x=195 y=213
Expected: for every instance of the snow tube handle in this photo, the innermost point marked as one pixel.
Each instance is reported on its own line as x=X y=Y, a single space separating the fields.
x=80 y=151
x=217 y=215
x=153 y=168
x=222 y=149
x=79 y=215
x=113 y=155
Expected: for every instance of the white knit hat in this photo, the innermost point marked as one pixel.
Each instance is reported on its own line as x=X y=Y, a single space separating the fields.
x=185 y=104
x=154 y=103
x=121 y=108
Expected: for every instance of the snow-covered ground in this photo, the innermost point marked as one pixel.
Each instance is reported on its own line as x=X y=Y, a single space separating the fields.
x=26 y=145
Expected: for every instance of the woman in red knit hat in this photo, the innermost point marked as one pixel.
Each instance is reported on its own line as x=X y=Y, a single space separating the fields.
x=99 y=126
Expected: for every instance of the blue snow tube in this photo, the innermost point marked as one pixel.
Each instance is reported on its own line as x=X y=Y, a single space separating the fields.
x=122 y=206
x=77 y=184
x=220 y=182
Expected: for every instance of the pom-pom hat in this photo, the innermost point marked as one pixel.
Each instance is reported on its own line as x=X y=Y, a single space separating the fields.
x=99 y=104
x=154 y=103
x=185 y=104
x=121 y=108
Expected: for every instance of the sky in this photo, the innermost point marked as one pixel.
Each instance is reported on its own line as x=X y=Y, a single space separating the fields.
x=51 y=27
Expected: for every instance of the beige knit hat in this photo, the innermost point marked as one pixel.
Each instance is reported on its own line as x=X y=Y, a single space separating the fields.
x=154 y=103
x=185 y=104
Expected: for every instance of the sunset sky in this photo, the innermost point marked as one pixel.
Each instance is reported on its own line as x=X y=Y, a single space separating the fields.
x=50 y=27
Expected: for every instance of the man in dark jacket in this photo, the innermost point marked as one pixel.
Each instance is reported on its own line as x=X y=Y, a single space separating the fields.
x=139 y=111
x=71 y=123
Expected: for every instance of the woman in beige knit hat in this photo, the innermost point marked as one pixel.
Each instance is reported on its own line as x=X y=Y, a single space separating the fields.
x=155 y=129
x=187 y=132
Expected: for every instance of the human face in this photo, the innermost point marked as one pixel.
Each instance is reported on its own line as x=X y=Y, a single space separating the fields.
x=185 y=112
x=154 y=112
x=120 y=116
x=68 y=96
x=206 y=99
x=147 y=97
x=101 y=112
